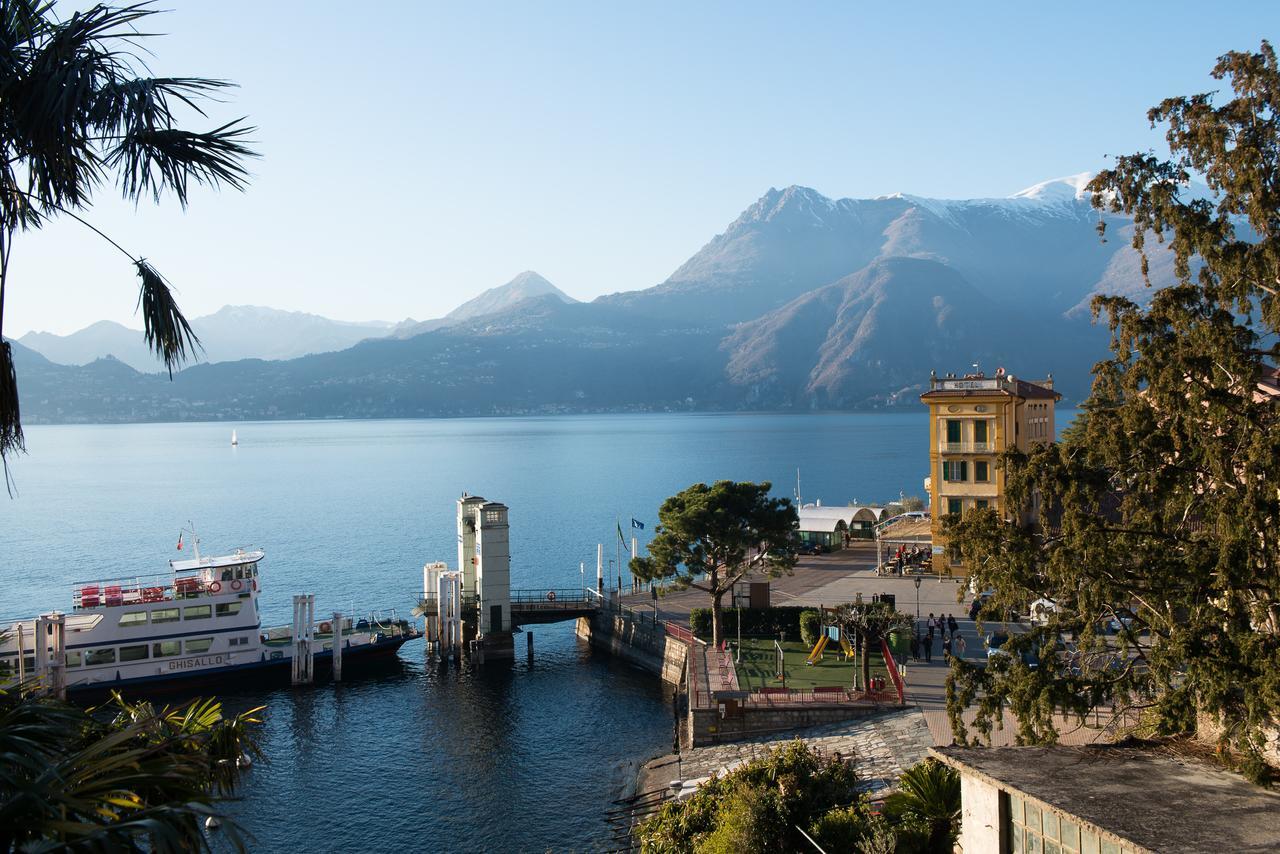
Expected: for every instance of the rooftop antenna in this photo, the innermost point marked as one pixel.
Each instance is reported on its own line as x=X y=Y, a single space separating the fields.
x=195 y=541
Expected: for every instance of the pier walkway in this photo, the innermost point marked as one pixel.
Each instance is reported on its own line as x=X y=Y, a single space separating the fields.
x=531 y=607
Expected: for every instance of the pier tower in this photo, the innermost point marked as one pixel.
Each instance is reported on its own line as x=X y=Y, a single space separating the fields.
x=493 y=578
x=467 y=558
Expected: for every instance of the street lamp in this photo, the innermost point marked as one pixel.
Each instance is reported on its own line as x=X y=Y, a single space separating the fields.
x=918 y=580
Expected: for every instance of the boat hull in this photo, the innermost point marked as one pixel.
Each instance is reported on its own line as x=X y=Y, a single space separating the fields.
x=273 y=672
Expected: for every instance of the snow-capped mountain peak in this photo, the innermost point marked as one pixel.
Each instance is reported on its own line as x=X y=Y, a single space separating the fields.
x=1071 y=187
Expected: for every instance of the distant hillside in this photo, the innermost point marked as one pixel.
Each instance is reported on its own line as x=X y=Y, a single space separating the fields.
x=233 y=332
x=803 y=302
x=525 y=286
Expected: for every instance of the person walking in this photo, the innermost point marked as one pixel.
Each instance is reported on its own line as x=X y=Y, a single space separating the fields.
x=946 y=647
x=952 y=624
x=960 y=645
x=915 y=644
x=928 y=646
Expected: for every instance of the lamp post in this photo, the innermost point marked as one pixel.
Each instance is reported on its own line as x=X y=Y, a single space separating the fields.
x=918 y=579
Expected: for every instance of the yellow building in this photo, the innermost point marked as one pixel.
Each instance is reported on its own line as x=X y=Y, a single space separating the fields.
x=972 y=420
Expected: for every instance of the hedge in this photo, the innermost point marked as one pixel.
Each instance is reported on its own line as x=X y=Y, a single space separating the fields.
x=755 y=621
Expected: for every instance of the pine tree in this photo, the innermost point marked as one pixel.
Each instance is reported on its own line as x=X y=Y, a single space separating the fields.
x=1164 y=500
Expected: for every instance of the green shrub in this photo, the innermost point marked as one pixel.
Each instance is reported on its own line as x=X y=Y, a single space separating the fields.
x=841 y=829
x=756 y=622
x=810 y=627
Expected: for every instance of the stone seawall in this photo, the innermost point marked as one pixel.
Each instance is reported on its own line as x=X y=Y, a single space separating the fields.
x=640 y=642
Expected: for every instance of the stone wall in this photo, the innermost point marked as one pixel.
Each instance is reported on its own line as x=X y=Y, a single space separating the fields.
x=640 y=642
x=706 y=726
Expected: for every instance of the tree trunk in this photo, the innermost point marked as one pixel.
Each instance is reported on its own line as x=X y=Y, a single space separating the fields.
x=866 y=663
x=716 y=630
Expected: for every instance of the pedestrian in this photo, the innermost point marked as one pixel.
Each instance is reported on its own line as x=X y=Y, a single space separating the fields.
x=946 y=647
x=928 y=646
x=932 y=623
x=952 y=624
x=960 y=645
x=915 y=645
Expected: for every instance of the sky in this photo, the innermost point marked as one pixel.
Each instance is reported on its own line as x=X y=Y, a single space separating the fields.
x=414 y=154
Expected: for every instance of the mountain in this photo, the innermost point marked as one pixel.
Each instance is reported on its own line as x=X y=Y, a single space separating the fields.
x=525 y=286
x=865 y=339
x=1034 y=251
x=233 y=332
x=93 y=342
x=801 y=302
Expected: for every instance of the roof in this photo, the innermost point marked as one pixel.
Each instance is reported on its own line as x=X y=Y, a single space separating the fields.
x=824 y=523
x=214 y=561
x=980 y=385
x=1145 y=794
x=848 y=514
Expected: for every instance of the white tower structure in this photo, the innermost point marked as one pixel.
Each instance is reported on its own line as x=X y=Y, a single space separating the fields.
x=467 y=558
x=493 y=568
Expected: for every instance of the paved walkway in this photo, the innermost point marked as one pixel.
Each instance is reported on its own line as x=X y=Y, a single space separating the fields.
x=882 y=748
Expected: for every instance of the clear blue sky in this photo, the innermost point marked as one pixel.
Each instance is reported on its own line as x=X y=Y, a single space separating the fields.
x=414 y=154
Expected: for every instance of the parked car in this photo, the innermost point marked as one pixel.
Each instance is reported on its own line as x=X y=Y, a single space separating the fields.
x=995 y=643
x=1122 y=620
x=813 y=549
x=1042 y=609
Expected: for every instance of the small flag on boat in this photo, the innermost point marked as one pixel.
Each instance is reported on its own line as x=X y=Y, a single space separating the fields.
x=179 y=541
x=636 y=523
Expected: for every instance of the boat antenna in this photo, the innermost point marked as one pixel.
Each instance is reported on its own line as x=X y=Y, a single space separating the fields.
x=798 y=504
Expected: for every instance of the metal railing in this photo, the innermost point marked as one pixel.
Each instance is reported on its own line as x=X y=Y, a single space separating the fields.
x=966 y=446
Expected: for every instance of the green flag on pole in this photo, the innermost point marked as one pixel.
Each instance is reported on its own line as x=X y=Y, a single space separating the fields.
x=621 y=538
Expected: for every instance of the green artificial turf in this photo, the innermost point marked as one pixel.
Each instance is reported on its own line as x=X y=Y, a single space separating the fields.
x=756 y=666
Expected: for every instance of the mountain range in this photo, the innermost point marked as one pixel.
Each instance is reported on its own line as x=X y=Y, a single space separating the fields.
x=803 y=302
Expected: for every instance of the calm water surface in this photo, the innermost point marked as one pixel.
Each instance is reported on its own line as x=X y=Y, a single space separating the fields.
x=505 y=758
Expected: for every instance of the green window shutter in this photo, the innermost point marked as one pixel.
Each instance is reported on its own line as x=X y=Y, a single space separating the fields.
x=954 y=505
x=953 y=431
x=964 y=470
x=981 y=471
x=979 y=431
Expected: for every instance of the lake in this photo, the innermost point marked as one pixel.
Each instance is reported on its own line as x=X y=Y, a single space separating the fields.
x=522 y=757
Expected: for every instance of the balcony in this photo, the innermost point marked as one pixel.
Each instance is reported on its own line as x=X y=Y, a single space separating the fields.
x=966 y=447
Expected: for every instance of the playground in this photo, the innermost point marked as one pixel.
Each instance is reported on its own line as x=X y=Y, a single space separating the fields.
x=757 y=666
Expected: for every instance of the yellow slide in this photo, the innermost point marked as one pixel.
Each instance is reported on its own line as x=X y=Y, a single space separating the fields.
x=847 y=647
x=816 y=654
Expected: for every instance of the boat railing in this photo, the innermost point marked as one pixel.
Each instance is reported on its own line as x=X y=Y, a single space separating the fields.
x=140 y=589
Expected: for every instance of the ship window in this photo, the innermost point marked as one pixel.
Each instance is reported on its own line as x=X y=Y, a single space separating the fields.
x=166 y=649
x=100 y=656
x=164 y=615
x=199 y=645
x=133 y=653
x=133 y=618
x=73 y=659
x=238 y=642
x=239 y=572
x=229 y=609
x=197 y=612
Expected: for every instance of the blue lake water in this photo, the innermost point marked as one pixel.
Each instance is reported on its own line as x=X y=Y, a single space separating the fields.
x=504 y=758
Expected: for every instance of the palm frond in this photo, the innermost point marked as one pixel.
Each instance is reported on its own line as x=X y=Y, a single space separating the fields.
x=11 y=438
x=155 y=160
x=167 y=332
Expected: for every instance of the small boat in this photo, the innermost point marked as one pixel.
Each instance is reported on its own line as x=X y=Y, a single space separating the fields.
x=193 y=624
x=234 y=440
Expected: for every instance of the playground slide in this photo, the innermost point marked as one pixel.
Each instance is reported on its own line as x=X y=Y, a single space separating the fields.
x=818 y=647
x=847 y=647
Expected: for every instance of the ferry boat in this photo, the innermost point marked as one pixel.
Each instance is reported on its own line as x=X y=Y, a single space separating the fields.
x=195 y=623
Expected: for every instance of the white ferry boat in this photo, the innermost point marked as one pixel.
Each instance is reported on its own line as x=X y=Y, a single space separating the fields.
x=195 y=623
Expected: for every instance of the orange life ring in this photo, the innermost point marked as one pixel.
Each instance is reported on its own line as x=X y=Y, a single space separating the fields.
x=325 y=628
x=215 y=587
x=236 y=584
x=551 y=596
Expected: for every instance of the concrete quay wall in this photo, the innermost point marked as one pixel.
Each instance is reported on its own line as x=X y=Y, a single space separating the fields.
x=640 y=642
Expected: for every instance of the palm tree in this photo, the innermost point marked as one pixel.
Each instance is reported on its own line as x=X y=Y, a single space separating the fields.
x=77 y=110
x=929 y=795
x=123 y=777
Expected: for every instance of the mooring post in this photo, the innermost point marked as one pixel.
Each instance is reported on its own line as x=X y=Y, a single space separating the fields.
x=529 y=637
x=304 y=612
x=337 y=646
x=51 y=655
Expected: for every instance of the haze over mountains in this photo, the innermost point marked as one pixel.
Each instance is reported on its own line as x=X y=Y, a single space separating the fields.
x=802 y=302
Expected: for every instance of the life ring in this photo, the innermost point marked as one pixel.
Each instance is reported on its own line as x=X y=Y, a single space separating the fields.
x=215 y=587
x=236 y=584
x=551 y=596
x=325 y=628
